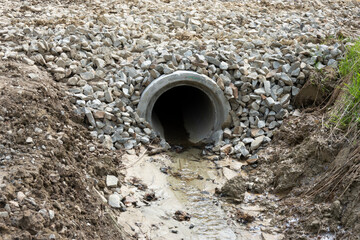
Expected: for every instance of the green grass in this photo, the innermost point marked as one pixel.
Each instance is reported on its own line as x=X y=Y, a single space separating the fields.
x=349 y=112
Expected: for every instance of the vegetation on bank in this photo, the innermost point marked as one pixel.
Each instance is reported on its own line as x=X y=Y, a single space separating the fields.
x=346 y=114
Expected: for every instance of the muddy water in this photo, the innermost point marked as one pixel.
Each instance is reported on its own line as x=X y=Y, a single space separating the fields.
x=181 y=181
x=193 y=181
x=187 y=182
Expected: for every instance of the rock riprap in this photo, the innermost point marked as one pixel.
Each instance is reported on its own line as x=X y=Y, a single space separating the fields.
x=259 y=54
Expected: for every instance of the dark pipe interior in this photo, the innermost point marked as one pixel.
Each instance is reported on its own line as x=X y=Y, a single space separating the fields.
x=182 y=114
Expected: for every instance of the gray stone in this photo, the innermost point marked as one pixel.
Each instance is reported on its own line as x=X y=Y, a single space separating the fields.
x=281 y=114
x=244 y=151
x=245 y=98
x=295 y=91
x=73 y=81
x=332 y=63
x=277 y=107
x=284 y=99
x=4 y=214
x=99 y=63
x=261 y=124
x=267 y=87
x=128 y=145
x=296 y=72
x=147 y=131
x=285 y=68
x=188 y=53
x=33 y=76
x=237 y=147
x=248 y=45
x=319 y=66
x=273 y=124
x=213 y=60
x=252 y=76
x=44 y=212
x=145 y=140
x=247 y=140
x=258 y=42
x=87 y=75
x=286 y=79
x=108 y=96
x=260 y=91
x=90 y=117
x=179 y=24
x=88 y=90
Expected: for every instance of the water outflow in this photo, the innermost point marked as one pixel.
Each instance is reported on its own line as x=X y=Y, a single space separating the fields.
x=184 y=107
x=189 y=181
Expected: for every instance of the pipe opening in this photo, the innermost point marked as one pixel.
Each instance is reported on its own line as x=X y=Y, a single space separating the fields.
x=183 y=115
x=184 y=107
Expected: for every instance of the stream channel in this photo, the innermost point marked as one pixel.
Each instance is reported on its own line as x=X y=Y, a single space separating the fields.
x=186 y=182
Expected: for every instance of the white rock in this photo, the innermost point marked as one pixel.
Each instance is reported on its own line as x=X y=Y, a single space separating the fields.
x=51 y=214
x=111 y=181
x=20 y=196
x=257 y=142
x=260 y=91
x=4 y=214
x=99 y=63
x=114 y=200
x=269 y=101
x=146 y=64
x=108 y=143
x=38 y=130
x=224 y=66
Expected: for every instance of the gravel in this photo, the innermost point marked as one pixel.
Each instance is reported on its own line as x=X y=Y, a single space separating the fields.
x=259 y=55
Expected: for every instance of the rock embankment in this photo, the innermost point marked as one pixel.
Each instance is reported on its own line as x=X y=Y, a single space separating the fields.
x=260 y=54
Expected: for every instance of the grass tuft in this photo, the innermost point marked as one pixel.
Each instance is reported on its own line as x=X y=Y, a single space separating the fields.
x=346 y=115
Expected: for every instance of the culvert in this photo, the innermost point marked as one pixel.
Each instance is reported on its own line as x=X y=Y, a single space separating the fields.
x=184 y=107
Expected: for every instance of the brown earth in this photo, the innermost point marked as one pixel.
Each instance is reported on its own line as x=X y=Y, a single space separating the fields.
x=316 y=176
x=49 y=180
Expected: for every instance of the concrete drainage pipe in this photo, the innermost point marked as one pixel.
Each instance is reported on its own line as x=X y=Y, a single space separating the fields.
x=184 y=107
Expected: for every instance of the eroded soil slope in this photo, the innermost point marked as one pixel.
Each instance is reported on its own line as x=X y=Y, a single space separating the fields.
x=316 y=178
x=48 y=175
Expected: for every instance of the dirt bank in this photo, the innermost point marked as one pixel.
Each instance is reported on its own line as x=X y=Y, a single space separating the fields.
x=49 y=164
x=315 y=174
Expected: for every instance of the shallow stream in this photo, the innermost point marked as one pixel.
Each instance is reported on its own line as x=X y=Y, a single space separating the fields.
x=186 y=182
x=193 y=181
